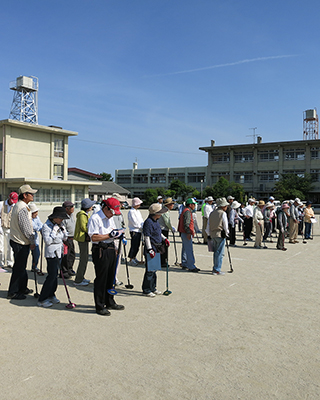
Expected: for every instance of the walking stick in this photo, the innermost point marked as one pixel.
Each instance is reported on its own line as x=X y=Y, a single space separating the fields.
x=128 y=286
x=175 y=249
x=36 y=294
x=41 y=257
x=142 y=245
x=167 y=292
x=231 y=269
x=70 y=304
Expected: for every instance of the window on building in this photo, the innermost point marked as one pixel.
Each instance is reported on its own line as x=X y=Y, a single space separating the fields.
x=243 y=156
x=294 y=154
x=121 y=179
x=140 y=178
x=58 y=147
x=79 y=195
x=58 y=171
x=315 y=153
x=158 y=178
x=268 y=155
x=194 y=177
x=300 y=173
x=178 y=175
x=217 y=175
x=315 y=175
x=243 y=177
x=268 y=176
x=52 y=195
x=220 y=158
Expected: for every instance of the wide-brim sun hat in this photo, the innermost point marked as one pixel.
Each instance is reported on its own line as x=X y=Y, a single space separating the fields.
x=268 y=204
x=168 y=201
x=284 y=206
x=33 y=208
x=235 y=205
x=136 y=201
x=222 y=202
x=59 y=212
x=210 y=198
x=230 y=198
x=261 y=203
x=157 y=208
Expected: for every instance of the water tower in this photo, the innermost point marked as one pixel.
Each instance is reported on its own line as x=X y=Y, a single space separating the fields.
x=310 y=125
x=25 y=99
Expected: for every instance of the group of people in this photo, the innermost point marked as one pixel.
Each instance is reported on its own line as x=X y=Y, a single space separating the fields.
x=104 y=227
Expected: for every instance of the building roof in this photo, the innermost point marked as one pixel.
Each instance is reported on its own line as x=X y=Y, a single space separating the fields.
x=108 y=187
x=85 y=174
x=35 y=127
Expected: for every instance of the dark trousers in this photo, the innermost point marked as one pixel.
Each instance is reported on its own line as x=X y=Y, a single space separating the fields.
x=19 y=277
x=247 y=227
x=267 y=227
x=164 y=256
x=104 y=261
x=50 y=284
x=280 y=243
x=135 y=244
x=232 y=234
x=68 y=259
x=35 y=256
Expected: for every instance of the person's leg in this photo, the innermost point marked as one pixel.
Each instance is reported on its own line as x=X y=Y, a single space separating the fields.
x=219 y=245
x=8 y=251
x=50 y=284
x=204 y=226
x=232 y=234
x=2 y=257
x=111 y=267
x=82 y=267
x=164 y=256
x=291 y=230
x=99 y=293
x=188 y=247
x=135 y=244
x=307 y=230
x=35 y=257
x=19 y=278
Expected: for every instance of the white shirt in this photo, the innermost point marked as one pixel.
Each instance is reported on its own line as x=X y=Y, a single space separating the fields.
x=9 y=208
x=99 y=224
x=207 y=210
x=135 y=220
x=248 y=211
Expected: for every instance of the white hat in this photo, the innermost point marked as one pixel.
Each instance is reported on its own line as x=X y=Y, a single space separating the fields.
x=33 y=207
x=268 y=204
x=136 y=201
x=271 y=198
x=230 y=198
x=156 y=208
x=222 y=202
x=210 y=198
x=235 y=204
x=297 y=200
x=251 y=200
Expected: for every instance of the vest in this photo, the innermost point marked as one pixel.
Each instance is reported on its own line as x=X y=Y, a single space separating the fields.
x=15 y=233
x=6 y=216
x=181 y=224
x=215 y=223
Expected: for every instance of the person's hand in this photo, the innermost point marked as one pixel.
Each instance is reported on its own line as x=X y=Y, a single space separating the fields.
x=167 y=243
x=32 y=246
x=55 y=229
x=189 y=236
x=152 y=253
x=173 y=229
x=124 y=241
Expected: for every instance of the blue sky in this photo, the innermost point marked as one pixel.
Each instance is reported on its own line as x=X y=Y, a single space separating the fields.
x=137 y=76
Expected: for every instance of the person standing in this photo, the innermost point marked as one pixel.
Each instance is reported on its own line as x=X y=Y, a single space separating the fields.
x=135 y=224
x=308 y=214
x=6 y=207
x=165 y=225
x=267 y=219
x=54 y=234
x=103 y=232
x=294 y=221
x=83 y=239
x=186 y=228
x=160 y=200
x=258 y=220
x=248 y=221
x=207 y=210
x=153 y=239
x=22 y=240
x=37 y=227
x=217 y=231
x=69 y=224
x=282 y=219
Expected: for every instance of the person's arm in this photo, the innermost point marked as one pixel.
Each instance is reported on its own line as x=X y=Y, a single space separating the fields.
x=225 y=223
x=186 y=222
x=83 y=222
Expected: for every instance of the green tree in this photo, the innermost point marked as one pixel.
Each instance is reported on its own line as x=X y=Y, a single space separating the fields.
x=224 y=188
x=180 y=189
x=106 y=177
x=291 y=186
x=150 y=196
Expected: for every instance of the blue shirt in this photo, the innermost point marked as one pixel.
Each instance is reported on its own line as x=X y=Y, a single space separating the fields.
x=37 y=226
x=152 y=229
x=53 y=240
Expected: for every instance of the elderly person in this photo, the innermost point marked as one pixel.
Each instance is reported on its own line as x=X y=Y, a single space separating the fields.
x=69 y=254
x=217 y=231
x=37 y=227
x=135 y=224
x=103 y=233
x=282 y=218
x=258 y=221
x=207 y=210
x=308 y=214
x=6 y=208
x=22 y=240
x=248 y=220
x=83 y=239
x=53 y=236
x=294 y=221
x=233 y=220
x=165 y=224
x=153 y=244
x=187 y=230
x=267 y=219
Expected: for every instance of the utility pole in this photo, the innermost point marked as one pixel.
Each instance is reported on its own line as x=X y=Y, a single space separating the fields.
x=254 y=134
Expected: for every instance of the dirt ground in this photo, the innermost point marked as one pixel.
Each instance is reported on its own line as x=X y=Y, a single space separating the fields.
x=252 y=334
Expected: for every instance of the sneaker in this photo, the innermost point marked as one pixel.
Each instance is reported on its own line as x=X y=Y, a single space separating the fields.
x=36 y=269
x=296 y=241
x=257 y=247
x=45 y=303
x=133 y=263
x=71 y=272
x=119 y=283
x=3 y=270
x=54 y=300
x=83 y=283
x=87 y=280
x=194 y=269
x=214 y=272
x=149 y=294
x=157 y=292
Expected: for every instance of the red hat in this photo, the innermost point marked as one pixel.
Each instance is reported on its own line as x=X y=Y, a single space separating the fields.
x=13 y=196
x=113 y=204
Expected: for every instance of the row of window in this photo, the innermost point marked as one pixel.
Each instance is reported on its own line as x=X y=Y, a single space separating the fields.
x=57 y=195
x=265 y=155
x=161 y=178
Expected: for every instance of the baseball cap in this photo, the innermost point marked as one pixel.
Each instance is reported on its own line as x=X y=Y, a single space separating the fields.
x=67 y=204
x=13 y=196
x=191 y=201
x=113 y=204
x=26 y=189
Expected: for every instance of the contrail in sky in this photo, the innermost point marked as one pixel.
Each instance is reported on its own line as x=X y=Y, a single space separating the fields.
x=224 y=65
